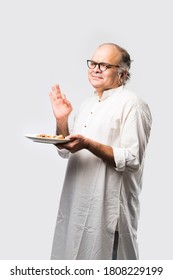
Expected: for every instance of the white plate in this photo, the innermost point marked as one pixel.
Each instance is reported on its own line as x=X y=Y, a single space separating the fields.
x=35 y=138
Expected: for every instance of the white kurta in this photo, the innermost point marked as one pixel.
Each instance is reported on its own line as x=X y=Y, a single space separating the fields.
x=98 y=199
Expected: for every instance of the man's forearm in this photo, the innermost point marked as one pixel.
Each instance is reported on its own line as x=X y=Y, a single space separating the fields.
x=62 y=128
x=102 y=151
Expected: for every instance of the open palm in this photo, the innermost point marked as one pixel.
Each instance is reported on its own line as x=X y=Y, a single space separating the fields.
x=60 y=105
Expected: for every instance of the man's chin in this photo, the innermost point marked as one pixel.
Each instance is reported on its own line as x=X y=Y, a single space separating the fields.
x=96 y=84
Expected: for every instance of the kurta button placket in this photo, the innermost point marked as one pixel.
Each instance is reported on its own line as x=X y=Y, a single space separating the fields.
x=91 y=115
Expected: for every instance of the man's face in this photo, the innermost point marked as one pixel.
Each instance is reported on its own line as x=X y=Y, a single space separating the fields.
x=104 y=80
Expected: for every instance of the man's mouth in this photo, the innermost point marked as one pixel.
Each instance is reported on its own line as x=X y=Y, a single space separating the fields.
x=96 y=77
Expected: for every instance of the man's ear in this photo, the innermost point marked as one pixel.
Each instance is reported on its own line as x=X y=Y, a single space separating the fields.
x=122 y=77
x=122 y=74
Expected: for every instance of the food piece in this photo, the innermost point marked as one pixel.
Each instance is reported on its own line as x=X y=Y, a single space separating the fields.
x=60 y=137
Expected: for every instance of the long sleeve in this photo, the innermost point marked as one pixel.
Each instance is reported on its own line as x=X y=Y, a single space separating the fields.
x=134 y=135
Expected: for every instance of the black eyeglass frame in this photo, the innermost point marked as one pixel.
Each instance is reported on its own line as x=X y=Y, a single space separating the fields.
x=107 y=65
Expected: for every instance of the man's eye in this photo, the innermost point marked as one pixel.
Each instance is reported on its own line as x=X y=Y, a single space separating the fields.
x=107 y=65
x=103 y=64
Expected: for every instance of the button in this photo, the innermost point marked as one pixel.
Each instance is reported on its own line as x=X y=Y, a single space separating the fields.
x=85 y=126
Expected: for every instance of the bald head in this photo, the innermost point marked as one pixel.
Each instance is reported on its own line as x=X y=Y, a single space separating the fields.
x=108 y=53
x=125 y=57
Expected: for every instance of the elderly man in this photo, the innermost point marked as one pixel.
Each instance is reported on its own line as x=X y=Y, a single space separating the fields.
x=99 y=206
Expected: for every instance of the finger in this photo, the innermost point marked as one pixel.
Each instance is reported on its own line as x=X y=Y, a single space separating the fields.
x=72 y=137
x=56 y=91
x=67 y=102
x=63 y=96
x=52 y=96
x=52 y=99
x=65 y=99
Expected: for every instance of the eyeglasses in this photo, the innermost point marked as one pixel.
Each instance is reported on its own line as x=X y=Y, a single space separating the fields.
x=103 y=66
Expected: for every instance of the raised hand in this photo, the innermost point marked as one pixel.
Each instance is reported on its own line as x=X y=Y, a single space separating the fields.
x=60 y=105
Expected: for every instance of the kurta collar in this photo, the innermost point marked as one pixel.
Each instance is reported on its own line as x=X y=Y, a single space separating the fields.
x=109 y=92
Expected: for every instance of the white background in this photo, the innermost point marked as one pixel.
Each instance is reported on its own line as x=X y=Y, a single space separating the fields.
x=45 y=42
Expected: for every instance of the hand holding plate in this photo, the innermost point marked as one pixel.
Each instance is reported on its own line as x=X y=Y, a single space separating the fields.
x=77 y=143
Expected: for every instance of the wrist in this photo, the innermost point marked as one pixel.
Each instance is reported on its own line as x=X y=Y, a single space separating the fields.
x=87 y=143
x=62 y=128
x=62 y=120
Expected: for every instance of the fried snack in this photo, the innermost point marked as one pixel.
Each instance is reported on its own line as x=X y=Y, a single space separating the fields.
x=60 y=137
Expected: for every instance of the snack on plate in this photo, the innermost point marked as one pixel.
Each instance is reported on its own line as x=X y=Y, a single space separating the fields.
x=60 y=137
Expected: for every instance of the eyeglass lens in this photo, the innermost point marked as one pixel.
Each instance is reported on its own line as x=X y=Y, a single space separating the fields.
x=93 y=64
